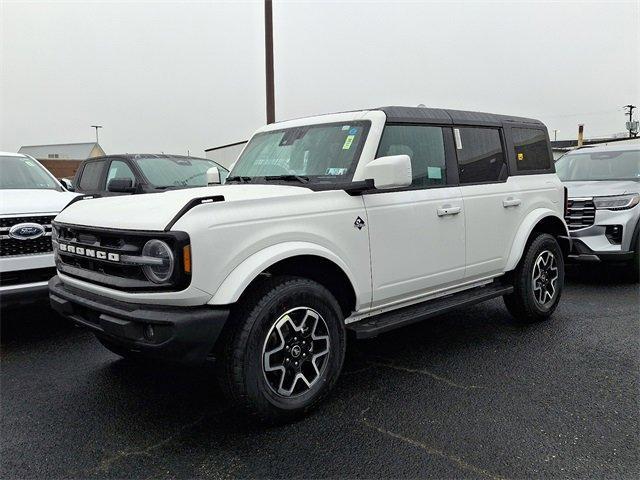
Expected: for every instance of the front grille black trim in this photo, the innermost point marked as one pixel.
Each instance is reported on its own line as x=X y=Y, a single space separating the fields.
x=581 y=213
x=117 y=275
x=13 y=247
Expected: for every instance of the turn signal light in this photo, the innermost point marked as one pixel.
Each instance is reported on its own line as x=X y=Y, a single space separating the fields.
x=186 y=258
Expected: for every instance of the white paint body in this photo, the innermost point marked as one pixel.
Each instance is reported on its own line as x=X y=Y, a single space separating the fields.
x=415 y=245
x=29 y=203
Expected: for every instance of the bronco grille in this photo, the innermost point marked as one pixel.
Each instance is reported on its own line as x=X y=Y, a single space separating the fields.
x=112 y=257
x=14 y=247
x=581 y=213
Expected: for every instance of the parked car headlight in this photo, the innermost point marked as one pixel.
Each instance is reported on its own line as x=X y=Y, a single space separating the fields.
x=162 y=271
x=617 y=202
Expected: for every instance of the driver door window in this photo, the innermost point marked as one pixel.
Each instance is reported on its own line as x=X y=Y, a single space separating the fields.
x=120 y=169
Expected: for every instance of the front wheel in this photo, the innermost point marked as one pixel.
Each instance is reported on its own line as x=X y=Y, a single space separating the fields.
x=285 y=349
x=537 y=280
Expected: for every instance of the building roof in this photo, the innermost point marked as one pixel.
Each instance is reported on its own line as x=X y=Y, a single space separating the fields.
x=64 y=151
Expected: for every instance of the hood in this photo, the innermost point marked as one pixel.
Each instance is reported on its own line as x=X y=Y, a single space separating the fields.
x=600 y=188
x=36 y=200
x=153 y=211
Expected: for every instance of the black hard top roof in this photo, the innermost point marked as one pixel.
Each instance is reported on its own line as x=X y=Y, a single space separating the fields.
x=445 y=116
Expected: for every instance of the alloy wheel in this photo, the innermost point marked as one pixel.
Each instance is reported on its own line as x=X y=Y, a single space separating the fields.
x=544 y=278
x=295 y=352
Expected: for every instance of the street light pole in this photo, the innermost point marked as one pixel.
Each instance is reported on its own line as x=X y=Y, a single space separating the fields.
x=629 y=112
x=96 y=127
x=268 y=46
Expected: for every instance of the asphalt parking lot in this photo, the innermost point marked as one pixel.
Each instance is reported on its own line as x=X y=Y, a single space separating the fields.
x=466 y=395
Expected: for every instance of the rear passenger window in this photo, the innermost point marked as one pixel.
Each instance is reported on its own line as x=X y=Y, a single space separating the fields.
x=481 y=157
x=91 y=175
x=532 y=152
x=425 y=147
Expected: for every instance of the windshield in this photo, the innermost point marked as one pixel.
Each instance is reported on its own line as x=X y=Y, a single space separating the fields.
x=23 y=173
x=325 y=152
x=166 y=172
x=613 y=165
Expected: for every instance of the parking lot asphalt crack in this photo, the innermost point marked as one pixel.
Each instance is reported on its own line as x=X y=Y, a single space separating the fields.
x=106 y=463
x=459 y=462
x=449 y=382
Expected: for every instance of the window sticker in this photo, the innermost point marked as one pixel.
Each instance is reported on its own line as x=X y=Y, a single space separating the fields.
x=353 y=131
x=434 y=172
x=345 y=127
x=29 y=163
x=520 y=157
x=347 y=142
x=456 y=134
x=336 y=171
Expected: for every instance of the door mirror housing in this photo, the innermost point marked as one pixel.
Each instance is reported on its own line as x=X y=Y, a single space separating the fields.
x=393 y=171
x=121 y=185
x=213 y=176
x=67 y=184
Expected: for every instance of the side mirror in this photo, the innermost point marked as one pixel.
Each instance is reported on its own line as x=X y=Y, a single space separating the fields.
x=121 y=185
x=66 y=183
x=389 y=172
x=213 y=176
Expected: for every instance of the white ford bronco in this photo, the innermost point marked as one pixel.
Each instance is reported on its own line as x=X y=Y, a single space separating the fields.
x=356 y=222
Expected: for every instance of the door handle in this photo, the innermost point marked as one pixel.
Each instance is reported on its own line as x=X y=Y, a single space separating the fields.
x=511 y=202
x=446 y=210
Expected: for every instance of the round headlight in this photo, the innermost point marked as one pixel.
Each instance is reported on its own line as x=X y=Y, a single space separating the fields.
x=161 y=272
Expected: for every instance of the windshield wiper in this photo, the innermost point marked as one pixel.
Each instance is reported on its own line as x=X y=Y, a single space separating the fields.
x=238 y=178
x=288 y=178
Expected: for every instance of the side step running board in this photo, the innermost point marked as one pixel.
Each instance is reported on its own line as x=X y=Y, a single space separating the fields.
x=385 y=322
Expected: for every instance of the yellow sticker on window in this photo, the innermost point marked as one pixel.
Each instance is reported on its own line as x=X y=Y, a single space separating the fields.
x=347 y=142
x=521 y=156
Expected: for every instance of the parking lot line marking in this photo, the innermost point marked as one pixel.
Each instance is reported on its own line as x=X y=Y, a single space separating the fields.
x=434 y=451
x=429 y=374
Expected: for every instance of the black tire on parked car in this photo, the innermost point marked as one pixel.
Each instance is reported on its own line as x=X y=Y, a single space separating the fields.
x=537 y=280
x=635 y=263
x=284 y=349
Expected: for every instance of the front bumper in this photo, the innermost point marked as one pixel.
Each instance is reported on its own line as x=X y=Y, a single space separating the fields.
x=591 y=243
x=23 y=294
x=181 y=334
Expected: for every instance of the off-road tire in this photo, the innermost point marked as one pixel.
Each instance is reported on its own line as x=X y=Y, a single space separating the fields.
x=521 y=304
x=240 y=351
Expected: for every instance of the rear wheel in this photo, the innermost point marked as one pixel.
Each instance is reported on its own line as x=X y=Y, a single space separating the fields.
x=285 y=350
x=537 y=280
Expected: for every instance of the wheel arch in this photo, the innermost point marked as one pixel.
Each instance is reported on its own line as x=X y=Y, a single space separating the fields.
x=292 y=258
x=538 y=221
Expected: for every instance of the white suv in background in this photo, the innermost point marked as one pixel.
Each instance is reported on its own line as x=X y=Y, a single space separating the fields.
x=361 y=221
x=603 y=211
x=30 y=197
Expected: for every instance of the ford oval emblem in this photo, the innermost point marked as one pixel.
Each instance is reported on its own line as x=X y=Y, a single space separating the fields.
x=26 y=231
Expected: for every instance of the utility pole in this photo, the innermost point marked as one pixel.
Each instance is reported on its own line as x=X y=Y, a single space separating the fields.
x=268 y=46
x=555 y=134
x=630 y=125
x=96 y=127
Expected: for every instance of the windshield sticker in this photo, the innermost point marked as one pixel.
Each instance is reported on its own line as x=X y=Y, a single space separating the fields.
x=353 y=131
x=347 y=142
x=30 y=163
x=336 y=171
x=434 y=172
x=521 y=156
x=345 y=127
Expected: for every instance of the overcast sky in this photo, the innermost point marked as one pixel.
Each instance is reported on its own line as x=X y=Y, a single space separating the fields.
x=184 y=75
